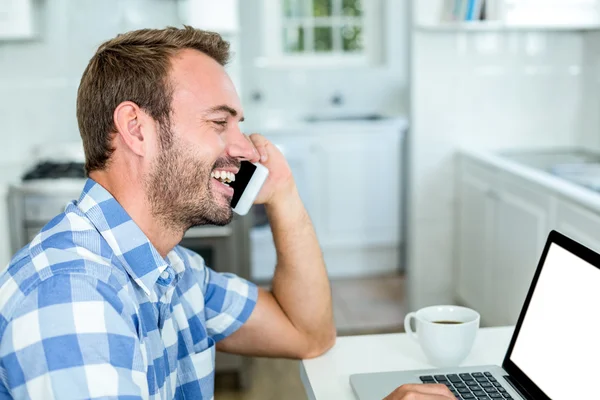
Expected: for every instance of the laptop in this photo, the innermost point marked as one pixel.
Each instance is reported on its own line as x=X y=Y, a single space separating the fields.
x=554 y=352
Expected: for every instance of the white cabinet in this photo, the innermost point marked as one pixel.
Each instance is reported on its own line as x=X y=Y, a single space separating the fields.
x=521 y=226
x=502 y=226
x=16 y=19
x=350 y=179
x=474 y=234
x=359 y=188
x=220 y=16
x=579 y=224
x=350 y=183
x=301 y=153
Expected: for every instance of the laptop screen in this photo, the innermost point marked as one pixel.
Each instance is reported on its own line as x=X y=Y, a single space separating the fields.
x=558 y=344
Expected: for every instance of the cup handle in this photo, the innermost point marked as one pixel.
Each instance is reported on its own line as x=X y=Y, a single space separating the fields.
x=408 y=328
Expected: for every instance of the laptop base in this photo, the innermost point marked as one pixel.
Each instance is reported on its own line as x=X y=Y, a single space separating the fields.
x=376 y=386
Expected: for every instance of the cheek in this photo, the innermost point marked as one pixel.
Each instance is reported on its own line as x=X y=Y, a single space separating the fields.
x=218 y=143
x=210 y=148
x=203 y=147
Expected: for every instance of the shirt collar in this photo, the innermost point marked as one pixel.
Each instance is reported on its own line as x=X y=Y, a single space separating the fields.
x=130 y=245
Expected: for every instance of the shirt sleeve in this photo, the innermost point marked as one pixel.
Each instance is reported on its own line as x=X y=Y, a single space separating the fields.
x=69 y=338
x=229 y=302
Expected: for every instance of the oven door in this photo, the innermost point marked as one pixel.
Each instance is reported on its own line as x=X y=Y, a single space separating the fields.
x=223 y=248
x=212 y=244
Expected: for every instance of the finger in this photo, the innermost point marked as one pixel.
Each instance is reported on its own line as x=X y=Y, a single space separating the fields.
x=257 y=155
x=438 y=389
x=430 y=389
x=416 y=396
x=260 y=142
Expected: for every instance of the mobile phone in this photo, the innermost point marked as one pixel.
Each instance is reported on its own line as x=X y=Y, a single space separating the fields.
x=248 y=182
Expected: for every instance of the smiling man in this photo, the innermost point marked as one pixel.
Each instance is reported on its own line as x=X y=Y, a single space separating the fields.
x=103 y=303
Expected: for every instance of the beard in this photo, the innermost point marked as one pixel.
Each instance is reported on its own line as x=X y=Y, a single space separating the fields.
x=178 y=189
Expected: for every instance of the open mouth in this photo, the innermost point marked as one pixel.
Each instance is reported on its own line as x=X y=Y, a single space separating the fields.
x=225 y=177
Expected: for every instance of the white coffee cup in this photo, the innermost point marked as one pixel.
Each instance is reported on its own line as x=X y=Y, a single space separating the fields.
x=445 y=333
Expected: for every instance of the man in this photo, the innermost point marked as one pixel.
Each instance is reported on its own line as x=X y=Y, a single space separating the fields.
x=103 y=303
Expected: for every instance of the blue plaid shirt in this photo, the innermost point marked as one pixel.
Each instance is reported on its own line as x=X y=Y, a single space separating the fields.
x=89 y=309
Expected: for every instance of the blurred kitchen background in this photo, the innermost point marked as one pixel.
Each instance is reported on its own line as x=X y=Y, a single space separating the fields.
x=434 y=142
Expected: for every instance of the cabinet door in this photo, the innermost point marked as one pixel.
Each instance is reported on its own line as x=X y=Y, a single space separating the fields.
x=360 y=188
x=301 y=154
x=521 y=228
x=579 y=223
x=475 y=226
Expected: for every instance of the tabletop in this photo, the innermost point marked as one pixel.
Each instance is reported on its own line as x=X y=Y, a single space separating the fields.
x=327 y=377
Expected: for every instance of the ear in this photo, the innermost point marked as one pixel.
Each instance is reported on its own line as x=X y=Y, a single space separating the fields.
x=130 y=122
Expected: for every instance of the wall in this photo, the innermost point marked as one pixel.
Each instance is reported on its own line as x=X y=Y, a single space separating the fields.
x=590 y=134
x=39 y=78
x=492 y=90
x=297 y=92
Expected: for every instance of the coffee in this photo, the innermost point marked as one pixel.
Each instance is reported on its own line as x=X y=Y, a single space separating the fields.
x=447 y=322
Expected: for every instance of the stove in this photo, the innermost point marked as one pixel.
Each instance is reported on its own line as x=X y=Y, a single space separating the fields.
x=55 y=170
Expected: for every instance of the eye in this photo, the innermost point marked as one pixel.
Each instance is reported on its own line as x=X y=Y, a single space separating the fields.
x=220 y=122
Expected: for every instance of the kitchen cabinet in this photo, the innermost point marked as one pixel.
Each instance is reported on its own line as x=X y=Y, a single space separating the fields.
x=359 y=188
x=579 y=223
x=17 y=20
x=475 y=234
x=505 y=213
x=521 y=226
x=218 y=16
x=503 y=223
x=301 y=154
x=349 y=176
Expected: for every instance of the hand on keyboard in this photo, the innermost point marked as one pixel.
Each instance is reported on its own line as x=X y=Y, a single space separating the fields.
x=421 y=392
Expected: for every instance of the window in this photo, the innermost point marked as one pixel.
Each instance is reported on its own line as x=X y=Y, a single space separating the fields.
x=304 y=32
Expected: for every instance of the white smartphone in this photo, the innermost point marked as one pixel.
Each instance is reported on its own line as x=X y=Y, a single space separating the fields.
x=248 y=182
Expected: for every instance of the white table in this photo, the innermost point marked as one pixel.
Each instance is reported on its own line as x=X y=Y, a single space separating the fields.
x=327 y=377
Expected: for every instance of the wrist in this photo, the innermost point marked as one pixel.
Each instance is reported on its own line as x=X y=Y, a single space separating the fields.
x=285 y=198
x=285 y=191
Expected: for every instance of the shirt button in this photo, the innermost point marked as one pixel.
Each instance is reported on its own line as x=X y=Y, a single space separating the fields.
x=165 y=275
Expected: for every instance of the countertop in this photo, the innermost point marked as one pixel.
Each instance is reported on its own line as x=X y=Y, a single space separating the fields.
x=282 y=125
x=327 y=377
x=507 y=161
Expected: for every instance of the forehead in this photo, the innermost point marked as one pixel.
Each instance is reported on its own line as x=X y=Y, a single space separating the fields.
x=201 y=82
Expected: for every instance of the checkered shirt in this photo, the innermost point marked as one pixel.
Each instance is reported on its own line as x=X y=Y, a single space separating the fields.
x=89 y=309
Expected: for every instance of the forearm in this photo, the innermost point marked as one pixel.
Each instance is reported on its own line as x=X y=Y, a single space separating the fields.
x=300 y=284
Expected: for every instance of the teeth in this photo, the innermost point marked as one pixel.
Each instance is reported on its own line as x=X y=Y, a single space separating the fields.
x=223 y=176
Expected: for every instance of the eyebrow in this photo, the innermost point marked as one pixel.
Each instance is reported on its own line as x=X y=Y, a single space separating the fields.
x=226 y=108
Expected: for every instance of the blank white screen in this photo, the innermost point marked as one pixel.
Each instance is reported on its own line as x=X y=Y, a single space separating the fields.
x=558 y=346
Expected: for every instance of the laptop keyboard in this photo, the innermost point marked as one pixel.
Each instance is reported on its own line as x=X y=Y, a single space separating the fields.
x=473 y=386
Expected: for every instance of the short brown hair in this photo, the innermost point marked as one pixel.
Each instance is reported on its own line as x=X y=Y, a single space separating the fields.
x=134 y=67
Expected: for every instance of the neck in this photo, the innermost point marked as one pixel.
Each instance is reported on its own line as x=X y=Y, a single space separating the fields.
x=131 y=196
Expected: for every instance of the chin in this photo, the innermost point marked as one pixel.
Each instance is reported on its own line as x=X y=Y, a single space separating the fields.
x=222 y=214
x=227 y=217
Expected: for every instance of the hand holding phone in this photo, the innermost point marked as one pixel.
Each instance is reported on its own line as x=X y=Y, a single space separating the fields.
x=248 y=182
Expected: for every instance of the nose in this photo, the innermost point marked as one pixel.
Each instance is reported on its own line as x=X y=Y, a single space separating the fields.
x=238 y=146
